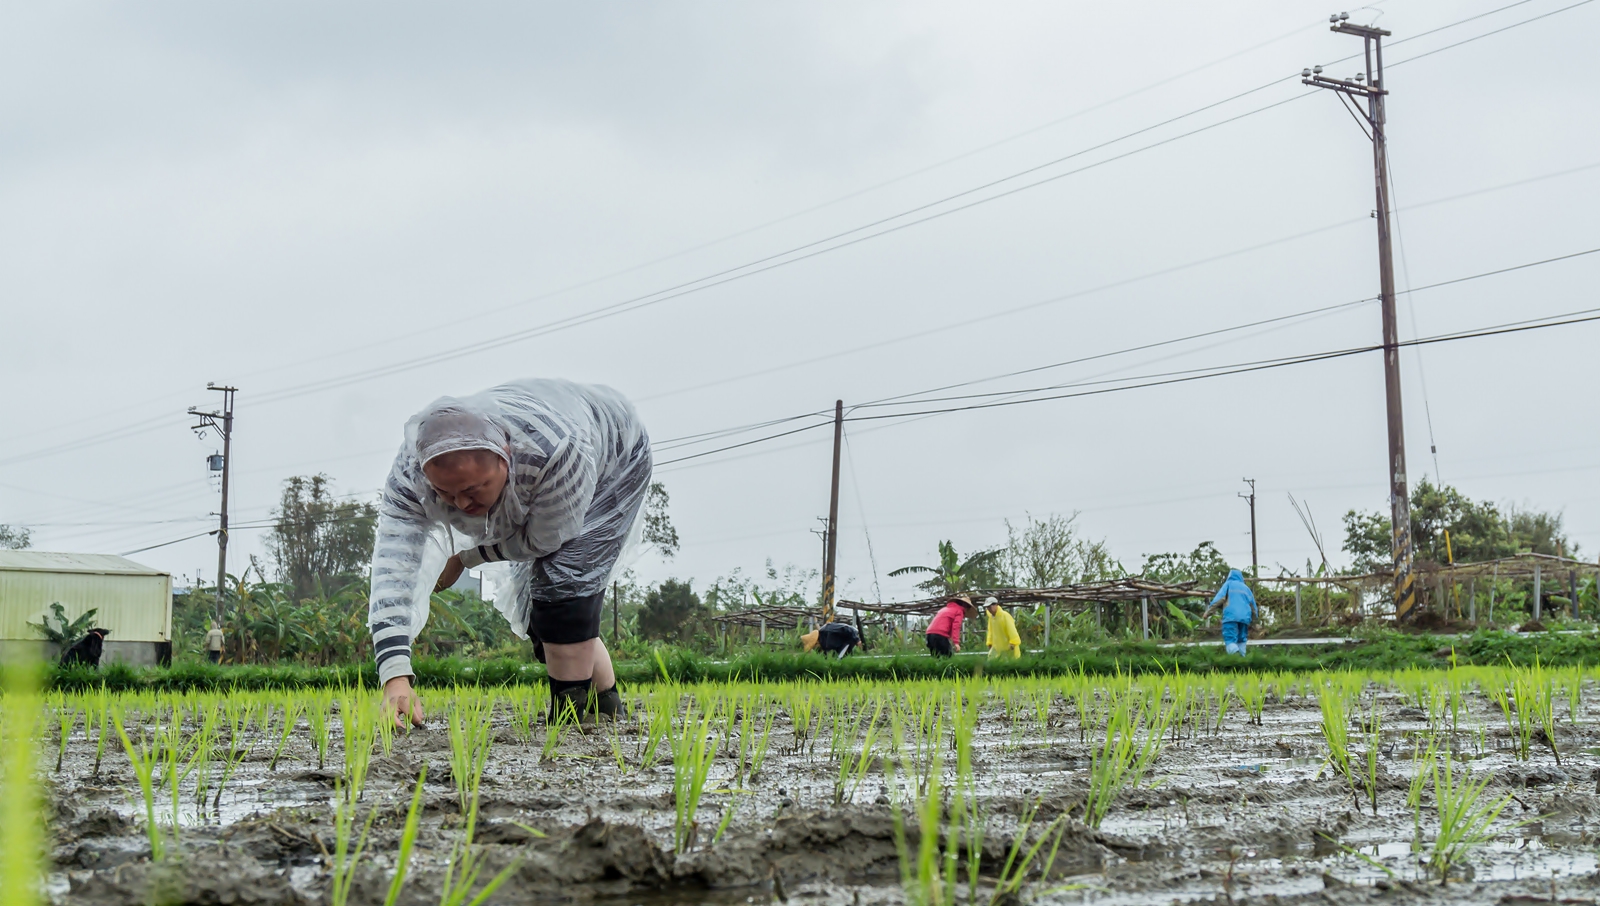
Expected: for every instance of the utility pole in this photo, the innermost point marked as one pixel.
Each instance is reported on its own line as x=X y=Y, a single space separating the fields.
x=1369 y=85
x=222 y=422
x=831 y=561
x=1255 y=566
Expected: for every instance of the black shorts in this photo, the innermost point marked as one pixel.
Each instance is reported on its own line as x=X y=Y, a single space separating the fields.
x=939 y=645
x=566 y=622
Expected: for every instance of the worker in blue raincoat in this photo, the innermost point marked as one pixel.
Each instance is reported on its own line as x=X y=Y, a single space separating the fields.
x=1238 y=611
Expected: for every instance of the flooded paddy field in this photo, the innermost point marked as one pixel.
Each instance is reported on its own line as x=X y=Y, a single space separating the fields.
x=1436 y=786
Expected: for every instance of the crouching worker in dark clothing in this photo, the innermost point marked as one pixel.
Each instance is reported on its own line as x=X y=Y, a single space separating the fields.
x=548 y=475
x=838 y=638
x=86 y=650
x=834 y=638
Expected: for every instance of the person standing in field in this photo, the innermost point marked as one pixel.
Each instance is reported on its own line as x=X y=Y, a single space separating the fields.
x=1238 y=612
x=547 y=475
x=1002 y=637
x=214 y=643
x=944 y=632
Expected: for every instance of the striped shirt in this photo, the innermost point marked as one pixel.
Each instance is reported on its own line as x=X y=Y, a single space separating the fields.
x=580 y=466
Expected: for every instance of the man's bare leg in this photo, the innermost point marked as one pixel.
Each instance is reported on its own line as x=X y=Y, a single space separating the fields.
x=585 y=665
x=581 y=661
x=571 y=663
x=604 y=675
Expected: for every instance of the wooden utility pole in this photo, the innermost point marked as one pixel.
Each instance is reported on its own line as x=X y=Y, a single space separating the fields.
x=1255 y=566
x=831 y=560
x=223 y=423
x=1369 y=86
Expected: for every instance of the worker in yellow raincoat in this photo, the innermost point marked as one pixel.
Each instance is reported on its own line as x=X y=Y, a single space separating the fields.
x=1003 y=640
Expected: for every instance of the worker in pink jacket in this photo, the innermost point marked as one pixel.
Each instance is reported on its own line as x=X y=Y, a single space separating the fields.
x=944 y=633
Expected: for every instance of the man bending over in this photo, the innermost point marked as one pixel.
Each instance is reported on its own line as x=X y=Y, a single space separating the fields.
x=546 y=474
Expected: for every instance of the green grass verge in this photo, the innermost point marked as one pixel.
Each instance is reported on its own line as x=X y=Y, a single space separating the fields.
x=1389 y=651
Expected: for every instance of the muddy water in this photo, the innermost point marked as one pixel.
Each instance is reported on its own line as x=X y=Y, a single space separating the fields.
x=1244 y=813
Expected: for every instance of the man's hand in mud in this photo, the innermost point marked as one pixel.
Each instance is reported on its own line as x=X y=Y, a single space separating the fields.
x=452 y=572
x=401 y=701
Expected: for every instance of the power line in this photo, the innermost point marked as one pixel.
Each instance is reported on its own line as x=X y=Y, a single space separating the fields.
x=1261 y=365
x=729 y=275
x=794 y=255
x=1167 y=378
x=749 y=269
x=883 y=401
x=885 y=183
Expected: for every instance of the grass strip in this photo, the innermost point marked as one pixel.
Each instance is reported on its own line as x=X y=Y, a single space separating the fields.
x=1382 y=652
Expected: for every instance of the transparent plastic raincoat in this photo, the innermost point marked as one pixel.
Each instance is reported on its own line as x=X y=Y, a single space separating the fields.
x=579 y=467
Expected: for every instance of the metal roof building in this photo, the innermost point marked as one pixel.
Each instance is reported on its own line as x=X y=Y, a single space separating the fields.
x=133 y=601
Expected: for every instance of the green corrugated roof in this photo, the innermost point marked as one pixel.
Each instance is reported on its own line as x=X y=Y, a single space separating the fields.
x=52 y=562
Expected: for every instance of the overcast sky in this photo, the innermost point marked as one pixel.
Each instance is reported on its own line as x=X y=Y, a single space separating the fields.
x=312 y=201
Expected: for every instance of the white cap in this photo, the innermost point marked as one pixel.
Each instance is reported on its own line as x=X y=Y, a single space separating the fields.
x=990 y=601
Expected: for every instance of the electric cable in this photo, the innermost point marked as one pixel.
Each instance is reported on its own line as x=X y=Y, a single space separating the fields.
x=613 y=308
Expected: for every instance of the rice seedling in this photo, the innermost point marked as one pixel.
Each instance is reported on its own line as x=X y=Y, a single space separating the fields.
x=102 y=710
x=176 y=761
x=408 y=837
x=1573 y=684
x=1466 y=816
x=1519 y=720
x=319 y=714
x=292 y=706
x=1336 y=733
x=21 y=834
x=525 y=708
x=1019 y=860
x=1252 y=694
x=469 y=724
x=853 y=768
x=464 y=864
x=66 y=719
x=1422 y=760
x=1043 y=697
x=920 y=876
x=692 y=755
x=360 y=729
x=204 y=746
x=344 y=858
x=1121 y=760
x=802 y=706
x=758 y=755
x=143 y=757
x=659 y=709
x=239 y=717
x=1369 y=772
x=1535 y=692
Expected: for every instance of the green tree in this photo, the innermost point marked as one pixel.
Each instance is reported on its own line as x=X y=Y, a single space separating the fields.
x=954 y=575
x=15 y=538
x=66 y=631
x=671 y=612
x=1540 y=533
x=1204 y=564
x=658 y=528
x=319 y=543
x=1049 y=552
x=1477 y=530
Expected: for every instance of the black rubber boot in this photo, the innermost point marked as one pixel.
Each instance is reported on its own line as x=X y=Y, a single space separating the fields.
x=571 y=701
x=609 y=703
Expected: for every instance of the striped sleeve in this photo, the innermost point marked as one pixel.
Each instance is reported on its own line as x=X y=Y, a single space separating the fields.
x=396 y=564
